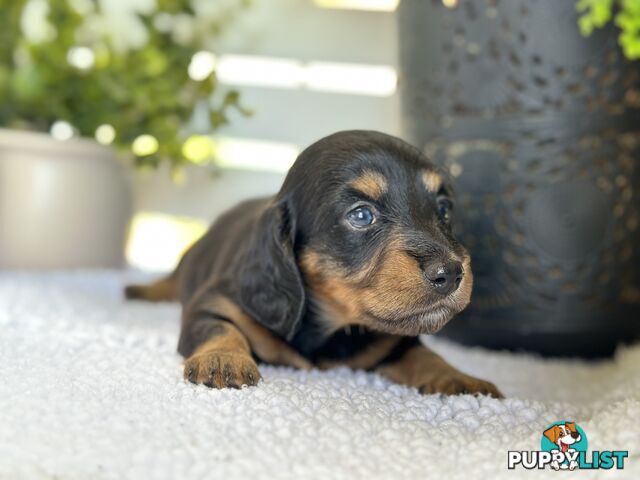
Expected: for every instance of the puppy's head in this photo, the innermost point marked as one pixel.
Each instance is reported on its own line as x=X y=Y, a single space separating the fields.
x=566 y=433
x=373 y=236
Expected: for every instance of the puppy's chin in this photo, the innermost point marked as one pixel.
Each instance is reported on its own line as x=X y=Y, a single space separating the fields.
x=413 y=324
x=432 y=321
x=428 y=321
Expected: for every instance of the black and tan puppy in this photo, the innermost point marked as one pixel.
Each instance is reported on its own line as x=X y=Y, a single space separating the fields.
x=346 y=265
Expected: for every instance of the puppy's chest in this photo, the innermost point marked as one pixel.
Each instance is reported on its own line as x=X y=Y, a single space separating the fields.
x=313 y=342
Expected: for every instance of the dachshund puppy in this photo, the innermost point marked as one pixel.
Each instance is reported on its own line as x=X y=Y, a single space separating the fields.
x=346 y=265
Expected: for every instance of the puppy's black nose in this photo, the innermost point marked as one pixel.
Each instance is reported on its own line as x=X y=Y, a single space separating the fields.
x=444 y=277
x=575 y=434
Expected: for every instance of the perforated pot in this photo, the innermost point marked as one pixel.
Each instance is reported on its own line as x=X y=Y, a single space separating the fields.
x=540 y=130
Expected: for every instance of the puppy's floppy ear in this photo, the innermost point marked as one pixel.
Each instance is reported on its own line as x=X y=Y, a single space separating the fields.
x=552 y=433
x=571 y=426
x=271 y=288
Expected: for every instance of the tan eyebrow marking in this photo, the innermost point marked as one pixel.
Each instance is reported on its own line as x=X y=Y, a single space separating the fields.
x=372 y=184
x=432 y=180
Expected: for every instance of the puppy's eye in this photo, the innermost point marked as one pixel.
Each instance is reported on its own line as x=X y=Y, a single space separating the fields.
x=444 y=208
x=361 y=217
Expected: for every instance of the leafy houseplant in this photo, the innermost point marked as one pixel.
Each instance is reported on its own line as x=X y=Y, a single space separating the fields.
x=133 y=74
x=122 y=71
x=597 y=13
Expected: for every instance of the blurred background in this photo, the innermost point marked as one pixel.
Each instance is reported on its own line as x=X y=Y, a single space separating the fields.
x=267 y=78
x=126 y=127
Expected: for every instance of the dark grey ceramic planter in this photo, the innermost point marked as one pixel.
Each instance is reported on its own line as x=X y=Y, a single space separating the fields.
x=540 y=130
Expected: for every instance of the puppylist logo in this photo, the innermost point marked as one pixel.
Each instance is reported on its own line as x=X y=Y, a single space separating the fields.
x=563 y=446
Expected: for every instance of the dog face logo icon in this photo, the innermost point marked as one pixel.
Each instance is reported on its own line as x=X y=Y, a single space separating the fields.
x=566 y=438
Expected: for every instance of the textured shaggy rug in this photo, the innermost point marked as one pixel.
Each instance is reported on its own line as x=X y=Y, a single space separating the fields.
x=91 y=388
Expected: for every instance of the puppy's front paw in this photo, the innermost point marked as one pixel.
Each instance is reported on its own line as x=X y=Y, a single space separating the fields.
x=454 y=383
x=222 y=369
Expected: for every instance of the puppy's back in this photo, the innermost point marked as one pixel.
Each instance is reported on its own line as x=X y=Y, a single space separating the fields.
x=211 y=256
x=215 y=252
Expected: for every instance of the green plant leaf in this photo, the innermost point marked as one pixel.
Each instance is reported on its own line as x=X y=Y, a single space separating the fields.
x=137 y=88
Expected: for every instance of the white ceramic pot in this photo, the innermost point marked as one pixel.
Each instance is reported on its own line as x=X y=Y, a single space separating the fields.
x=62 y=204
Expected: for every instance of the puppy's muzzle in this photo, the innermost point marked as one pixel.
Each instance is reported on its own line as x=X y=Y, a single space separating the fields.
x=444 y=277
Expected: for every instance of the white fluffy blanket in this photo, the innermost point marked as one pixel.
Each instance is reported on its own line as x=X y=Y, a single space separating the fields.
x=91 y=388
